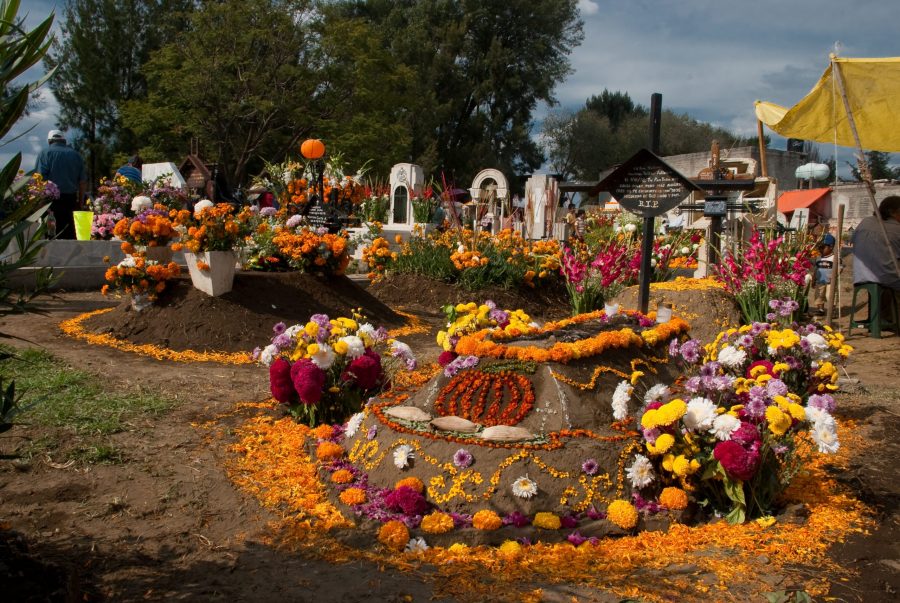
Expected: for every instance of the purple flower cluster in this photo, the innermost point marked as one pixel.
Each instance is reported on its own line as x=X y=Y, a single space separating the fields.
x=460 y=363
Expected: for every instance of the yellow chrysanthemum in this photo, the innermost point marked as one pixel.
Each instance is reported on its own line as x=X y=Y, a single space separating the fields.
x=340 y=347
x=662 y=445
x=510 y=548
x=311 y=329
x=779 y=422
x=682 y=467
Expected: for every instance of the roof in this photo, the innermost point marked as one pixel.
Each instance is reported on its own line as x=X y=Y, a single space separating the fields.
x=792 y=200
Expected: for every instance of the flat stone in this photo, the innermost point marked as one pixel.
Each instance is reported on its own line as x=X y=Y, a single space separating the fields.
x=506 y=433
x=408 y=413
x=452 y=423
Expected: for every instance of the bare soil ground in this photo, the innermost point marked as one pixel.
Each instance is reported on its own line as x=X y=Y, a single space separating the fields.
x=166 y=523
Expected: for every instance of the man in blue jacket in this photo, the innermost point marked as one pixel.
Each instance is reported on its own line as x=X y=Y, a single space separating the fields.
x=62 y=165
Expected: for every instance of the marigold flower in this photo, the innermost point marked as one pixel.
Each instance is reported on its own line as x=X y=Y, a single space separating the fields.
x=394 y=535
x=353 y=496
x=510 y=548
x=437 y=523
x=328 y=450
x=547 y=521
x=413 y=483
x=486 y=520
x=622 y=513
x=673 y=498
x=342 y=476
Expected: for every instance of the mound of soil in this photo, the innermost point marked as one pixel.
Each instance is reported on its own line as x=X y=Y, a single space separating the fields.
x=429 y=295
x=186 y=318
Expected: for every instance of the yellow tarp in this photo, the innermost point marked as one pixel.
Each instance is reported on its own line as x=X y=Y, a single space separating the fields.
x=873 y=89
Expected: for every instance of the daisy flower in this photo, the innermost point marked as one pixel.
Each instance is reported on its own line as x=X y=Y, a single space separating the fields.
x=524 y=487
x=353 y=424
x=640 y=472
x=403 y=455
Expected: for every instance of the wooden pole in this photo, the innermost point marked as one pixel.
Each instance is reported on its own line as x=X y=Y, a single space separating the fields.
x=836 y=271
x=763 y=169
x=870 y=186
x=647 y=242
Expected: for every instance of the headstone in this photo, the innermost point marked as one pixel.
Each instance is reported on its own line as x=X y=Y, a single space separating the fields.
x=646 y=185
x=317 y=216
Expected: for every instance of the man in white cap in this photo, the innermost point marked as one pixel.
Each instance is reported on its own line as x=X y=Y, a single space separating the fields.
x=62 y=165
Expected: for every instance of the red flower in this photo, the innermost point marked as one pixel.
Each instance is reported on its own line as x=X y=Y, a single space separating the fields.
x=746 y=434
x=280 y=381
x=309 y=381
x=738 y=462
x=446 y=358
x=366 y=370
x=764 y=363
x=406 y=500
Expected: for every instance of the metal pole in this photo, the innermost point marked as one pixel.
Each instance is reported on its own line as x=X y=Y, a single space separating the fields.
x=870 y=187
x=647 y=242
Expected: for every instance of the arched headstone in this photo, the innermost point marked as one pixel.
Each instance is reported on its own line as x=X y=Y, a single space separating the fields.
x=407 y=181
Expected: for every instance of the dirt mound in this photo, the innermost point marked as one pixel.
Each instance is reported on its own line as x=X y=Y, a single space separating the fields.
x=429 y=295
x=186 y=318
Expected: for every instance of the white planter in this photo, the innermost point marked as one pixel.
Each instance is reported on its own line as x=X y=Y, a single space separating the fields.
x=219 y=278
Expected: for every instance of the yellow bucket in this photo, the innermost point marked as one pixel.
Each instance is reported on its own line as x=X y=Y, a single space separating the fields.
x=83 y=220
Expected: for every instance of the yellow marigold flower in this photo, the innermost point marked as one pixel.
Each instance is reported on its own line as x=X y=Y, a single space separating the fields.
x=437 y=523
x=622 y=513
x=672 y=411
x=394 y=535
x=547 y=521
x=353 y=496
x=673 y=498
x=663 y=443
x=757 y=370
x=510 y=548
x=342 y=476
x=486 y=520
x=668 y=462
x=779 y=422
x=411 y=482
x=765 y=522
x=780 y=367
x=322 y=432
x=763 y=379
x=682 y=467
x=312 y=349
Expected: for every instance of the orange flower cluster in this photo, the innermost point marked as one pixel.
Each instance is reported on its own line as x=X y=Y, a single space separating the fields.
x=329 y=450
x=378 y=255
x=74 y=328
x=211 y=229
x=136 y=275
x=479 y=396
x=309 y=251
x=353 y=496
x=673 y=498
x=342 y=476
x=394 y=535
x=468 y=259
x=151 y=230
x=297 y=191
x=413 y=483
x=486 y=520
x=437 y=523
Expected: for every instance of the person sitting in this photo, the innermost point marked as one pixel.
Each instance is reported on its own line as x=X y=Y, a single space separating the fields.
x=873 y=257
x=132 y=169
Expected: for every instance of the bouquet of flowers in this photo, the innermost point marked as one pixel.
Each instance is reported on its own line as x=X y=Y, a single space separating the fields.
x=766 y=270
x=733 y=433
x=262 y=253
x=35 y=190
x=311 y=249
x=591 y=281
x=168 y=196
x=464 y=319
x=423 y=208
x=325 y=369
x=136 y=275
x=210 y=227
x=150 y=228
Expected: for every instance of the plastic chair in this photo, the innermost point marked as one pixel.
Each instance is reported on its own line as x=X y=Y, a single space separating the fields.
x=875 y=322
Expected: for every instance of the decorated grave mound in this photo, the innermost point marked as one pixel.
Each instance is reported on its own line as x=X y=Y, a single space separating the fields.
x=188 y=319
x=519 y=425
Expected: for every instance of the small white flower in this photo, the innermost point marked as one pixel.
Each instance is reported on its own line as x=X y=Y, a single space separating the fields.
x=324 y=358
x=656 y=393
x=201 y=205
x=416 y=545
x=685 y=250
x=353 y=424
x=620 y=400
x=355 y=346
x=824 y=434
x=815 y=415
x=630 y=228
x=700 y=414
x=366 y=330
x=640 y=472
x=732 y=357
x=293 y=330
x=403 y=454
x=817 y=343
x=267 y=356
x=140 y=203
x=524 y=487
x=724 y=425
x=653 y=263
x=128 y=262
x=398 y=348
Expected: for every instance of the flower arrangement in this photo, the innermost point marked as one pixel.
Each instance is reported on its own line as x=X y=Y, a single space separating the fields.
x=211 y=228
x=35 y=190
x=161 y=193
x=374 y=207
x=310 y=249
x=150 y=228
x=112 y=203
x=135 y=275
x=766 y=268
x=592 y=280
x=732 y=434
x=325 y=369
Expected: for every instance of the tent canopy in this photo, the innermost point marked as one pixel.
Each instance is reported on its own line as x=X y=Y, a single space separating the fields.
x=793 y=200
x=873 y=92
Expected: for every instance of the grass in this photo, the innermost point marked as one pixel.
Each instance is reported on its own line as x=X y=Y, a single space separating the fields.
x=56 y=395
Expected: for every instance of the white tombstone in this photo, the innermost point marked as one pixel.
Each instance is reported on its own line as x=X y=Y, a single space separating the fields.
x=541 y=198
x=407 y=181
x=152 y=171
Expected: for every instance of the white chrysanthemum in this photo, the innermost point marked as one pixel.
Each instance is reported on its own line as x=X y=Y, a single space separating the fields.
x=524 y=487
x=815 y=414
x=201 y=205
x=724 y=425
x=293 y=330
x=700 y=414
x=640 y=472
x=630 y=227
x=323 y=358
x=355 y=346
x=817 y=343
x=656 y=393
x=824 y=434
x=403 y=454
x=416 y=545
x=398 y=348
x=620 y=400
x=129 y=262
x=267 y=356
x=685 y=250
x=353 y=424
x=732 y=357
x=140 y=203
x=367 y=330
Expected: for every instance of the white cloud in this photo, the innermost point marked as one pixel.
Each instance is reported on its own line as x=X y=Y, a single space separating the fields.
x=588 y=7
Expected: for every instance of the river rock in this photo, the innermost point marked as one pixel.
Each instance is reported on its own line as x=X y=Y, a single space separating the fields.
x=408 y=413
x=452 y=423
x=506 y=433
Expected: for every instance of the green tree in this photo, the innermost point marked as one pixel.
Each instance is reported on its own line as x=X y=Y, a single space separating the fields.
x=247 y=77
x=615 y=106
x=99 y=59
x=480 y=67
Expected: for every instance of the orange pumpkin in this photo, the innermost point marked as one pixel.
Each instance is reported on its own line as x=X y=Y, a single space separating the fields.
x=312 y=148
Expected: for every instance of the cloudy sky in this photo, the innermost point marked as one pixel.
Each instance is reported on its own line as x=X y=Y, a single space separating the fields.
x=710 y=59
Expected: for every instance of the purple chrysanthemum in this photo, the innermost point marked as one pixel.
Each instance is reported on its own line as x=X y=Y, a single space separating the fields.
x=462 y=458
x=279 y=328
x=590 y=466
